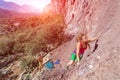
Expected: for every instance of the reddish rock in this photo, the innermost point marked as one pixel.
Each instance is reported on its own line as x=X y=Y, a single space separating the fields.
x=93 y=17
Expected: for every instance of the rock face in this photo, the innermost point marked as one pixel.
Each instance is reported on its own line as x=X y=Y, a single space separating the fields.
x=58 y=6
x=94 y=17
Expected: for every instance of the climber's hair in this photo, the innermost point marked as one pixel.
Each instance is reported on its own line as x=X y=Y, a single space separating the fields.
x=79 y=37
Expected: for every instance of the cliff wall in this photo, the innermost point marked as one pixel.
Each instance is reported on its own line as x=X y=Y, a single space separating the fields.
x=95 y=17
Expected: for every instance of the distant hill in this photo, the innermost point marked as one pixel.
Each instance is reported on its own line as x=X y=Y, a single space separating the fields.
x=15 y=7
x=11 y=14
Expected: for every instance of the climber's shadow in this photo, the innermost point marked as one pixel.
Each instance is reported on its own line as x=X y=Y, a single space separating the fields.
x=94 y=49
x=96 y=46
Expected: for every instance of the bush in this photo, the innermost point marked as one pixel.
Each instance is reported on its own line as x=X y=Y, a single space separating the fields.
x=47 y=30
x=34 y=35
x=6 y=45
x=28 y=63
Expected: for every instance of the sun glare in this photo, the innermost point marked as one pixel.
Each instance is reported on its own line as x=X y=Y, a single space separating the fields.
x=40 y=5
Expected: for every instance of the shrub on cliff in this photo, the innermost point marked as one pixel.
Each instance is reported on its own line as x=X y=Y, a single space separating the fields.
x=6 y=45
x=48 y=31
x=28 y=63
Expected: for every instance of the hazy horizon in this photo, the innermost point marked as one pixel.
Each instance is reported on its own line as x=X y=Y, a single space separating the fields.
x=39 y=4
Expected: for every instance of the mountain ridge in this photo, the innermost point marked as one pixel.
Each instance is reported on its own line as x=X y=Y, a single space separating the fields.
x=16 y=7
x=13 y=14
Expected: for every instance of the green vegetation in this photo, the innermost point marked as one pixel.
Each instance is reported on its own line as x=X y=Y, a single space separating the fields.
x=31 y=36
x=29 y=63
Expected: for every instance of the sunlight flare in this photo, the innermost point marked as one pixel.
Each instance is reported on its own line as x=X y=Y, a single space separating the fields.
x=39 y=6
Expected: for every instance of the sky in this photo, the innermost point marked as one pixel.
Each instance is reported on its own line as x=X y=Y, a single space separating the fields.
x=40 y=4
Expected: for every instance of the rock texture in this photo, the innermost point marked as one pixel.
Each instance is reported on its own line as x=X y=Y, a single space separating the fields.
x=93 y=17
